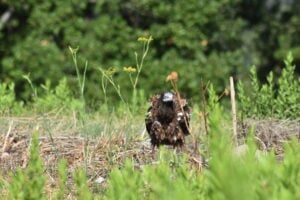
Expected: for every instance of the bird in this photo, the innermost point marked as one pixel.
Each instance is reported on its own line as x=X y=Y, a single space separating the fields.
x=167 y=119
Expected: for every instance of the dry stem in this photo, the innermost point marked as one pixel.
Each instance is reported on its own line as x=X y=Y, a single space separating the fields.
x=232 y=96
x=6 y=142
x=203 y=88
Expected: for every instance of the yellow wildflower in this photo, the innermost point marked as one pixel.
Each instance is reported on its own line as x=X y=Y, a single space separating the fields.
x=144 y=39
x=110 y=71
x=129 y=69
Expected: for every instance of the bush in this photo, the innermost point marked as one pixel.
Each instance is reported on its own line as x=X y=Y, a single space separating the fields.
x=8 y=103
x=57 y=99
x=274 y=99
x=193 y=39
x=29 y=184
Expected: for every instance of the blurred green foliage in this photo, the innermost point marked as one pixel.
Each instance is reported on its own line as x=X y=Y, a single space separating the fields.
x=208 y=40
x=29 y=183
x=7 y=100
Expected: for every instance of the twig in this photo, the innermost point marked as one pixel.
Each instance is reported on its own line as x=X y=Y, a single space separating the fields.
x=232 y=96
x=263 y=145
x=199 y=163
x=63 y=138
x=75 y=119
x=180 y=103
x=6 y=142
x=203 y=91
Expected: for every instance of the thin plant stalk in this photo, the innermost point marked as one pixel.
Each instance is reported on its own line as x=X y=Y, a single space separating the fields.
x=139 y=65
x=232 y=95
x=81 y=84
x=81 y=80
x=104 y=87
x=27 y=78
x=112 y=82
x=204 y=107
x=174 y=85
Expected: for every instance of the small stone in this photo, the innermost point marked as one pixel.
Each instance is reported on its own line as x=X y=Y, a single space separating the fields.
x=100 y=180
x=5 y=156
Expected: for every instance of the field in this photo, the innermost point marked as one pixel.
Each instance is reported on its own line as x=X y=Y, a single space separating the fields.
x=77 y=79
x=102 y=145
x=54 y=148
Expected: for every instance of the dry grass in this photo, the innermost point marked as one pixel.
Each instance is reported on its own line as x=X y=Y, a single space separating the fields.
x=270 y=133
x=110 y=141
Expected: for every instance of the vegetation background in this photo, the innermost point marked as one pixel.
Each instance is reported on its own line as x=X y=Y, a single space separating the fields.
x=202 y=40
x=59 y=60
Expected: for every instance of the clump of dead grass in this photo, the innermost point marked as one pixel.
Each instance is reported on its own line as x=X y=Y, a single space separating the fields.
x=270 y=134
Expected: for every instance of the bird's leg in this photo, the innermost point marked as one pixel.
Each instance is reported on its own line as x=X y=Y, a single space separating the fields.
x=181 y=148
x=174 y=149
x=153 y=152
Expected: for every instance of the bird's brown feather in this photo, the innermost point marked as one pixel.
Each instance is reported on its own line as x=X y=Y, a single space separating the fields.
x=168 y=122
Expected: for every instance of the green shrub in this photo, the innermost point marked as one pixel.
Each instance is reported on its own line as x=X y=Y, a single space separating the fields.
x=62 y=180
x=166 y=180
x=59 y=99
x=193 y=39
x=273 y=99
x=8 y=101
x=287 y=101
x=82 y=189
x=29 y=183
x=125 y=184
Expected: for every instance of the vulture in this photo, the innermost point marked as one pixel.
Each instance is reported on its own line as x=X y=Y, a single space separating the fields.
x=167 y=119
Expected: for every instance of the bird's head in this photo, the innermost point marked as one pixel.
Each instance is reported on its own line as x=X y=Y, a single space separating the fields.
x=167 y=97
